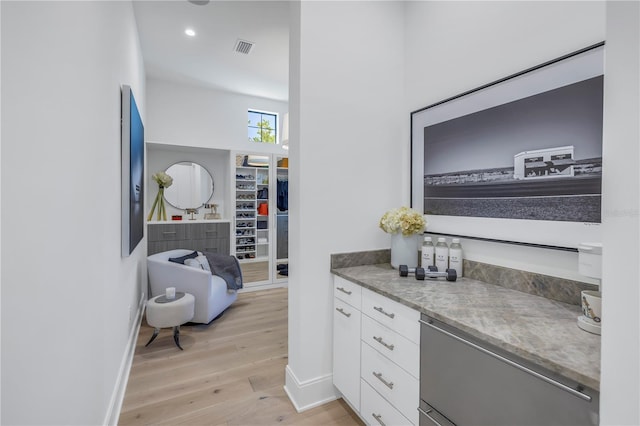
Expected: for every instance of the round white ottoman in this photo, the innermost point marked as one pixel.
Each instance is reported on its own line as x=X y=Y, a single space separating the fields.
x=163 y=312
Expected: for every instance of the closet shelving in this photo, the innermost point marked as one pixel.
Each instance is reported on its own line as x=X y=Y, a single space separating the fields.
x=245 y=213
x=262 y=211
x=251 y=220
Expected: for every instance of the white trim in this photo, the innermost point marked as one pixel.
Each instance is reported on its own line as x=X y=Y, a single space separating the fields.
x=310 y=393
x=117 y=397
x=249 y=287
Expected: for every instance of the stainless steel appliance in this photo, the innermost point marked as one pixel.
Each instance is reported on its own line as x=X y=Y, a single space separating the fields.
x=467 y=382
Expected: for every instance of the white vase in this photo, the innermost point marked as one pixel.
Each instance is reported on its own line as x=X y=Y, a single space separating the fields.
x=404 y=250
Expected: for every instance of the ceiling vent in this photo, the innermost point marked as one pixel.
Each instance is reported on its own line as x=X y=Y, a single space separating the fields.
x=243 y=46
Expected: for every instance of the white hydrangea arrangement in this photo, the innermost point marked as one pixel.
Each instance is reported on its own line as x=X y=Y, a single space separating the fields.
x=403 y=219
x=163 y=179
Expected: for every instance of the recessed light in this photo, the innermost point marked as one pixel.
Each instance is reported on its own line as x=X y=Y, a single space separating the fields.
x=190 y=32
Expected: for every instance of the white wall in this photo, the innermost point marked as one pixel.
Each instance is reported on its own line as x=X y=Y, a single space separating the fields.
x=456 y=46
x=453 y=47
x=185 y=115
x=217 y=163
x=346 y=114
x=620 y=383
x=450 y=47
x=189 y=120
x=68 y=299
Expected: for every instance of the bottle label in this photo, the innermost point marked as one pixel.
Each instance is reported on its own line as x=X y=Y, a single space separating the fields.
x=427 y=256
x=455 y=261
x=441 y=259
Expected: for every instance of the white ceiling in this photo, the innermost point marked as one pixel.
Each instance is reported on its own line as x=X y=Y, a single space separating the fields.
x=209 y=58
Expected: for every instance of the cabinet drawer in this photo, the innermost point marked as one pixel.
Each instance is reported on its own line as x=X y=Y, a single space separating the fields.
x=346 y=351
x=392 y=382
x=166 y=232
x=220 y=245
x=392 y=314
x=397 y=348
x=376 y=411
x=160 y=246
x=199 y=231
x=347 y=291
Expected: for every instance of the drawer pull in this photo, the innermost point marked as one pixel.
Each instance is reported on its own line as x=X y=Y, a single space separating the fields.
x=343 y=312
x=379 y=377
x=348 y=293
x=382 y=342
x=168 y=232
x=382 y=311
x=378 y=417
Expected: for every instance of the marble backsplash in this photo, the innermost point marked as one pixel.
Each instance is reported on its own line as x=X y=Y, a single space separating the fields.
x=560 y=289
x=360 y=258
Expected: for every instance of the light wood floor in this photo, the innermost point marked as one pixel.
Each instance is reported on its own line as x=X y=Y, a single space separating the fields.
x=255 y=271
x=231 y=372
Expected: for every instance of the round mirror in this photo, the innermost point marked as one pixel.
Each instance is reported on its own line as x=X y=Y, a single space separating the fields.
x=192 y=185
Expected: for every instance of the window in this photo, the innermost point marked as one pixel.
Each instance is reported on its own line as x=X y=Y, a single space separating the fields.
x=263 y=127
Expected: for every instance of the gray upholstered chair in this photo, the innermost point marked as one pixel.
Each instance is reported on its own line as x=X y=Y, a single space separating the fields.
x=210 y=291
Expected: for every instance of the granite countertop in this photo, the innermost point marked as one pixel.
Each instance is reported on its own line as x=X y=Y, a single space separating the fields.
x=540 y=330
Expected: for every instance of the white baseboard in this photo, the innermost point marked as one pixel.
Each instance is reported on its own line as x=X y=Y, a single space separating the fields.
x=311 y=393
x=117 y=397
x=248 y=287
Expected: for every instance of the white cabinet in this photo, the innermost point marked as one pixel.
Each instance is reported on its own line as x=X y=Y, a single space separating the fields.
x=346 y=351
x=390 y=354
x=394 y=346
x=376 y=355
x=377 y=411
x=388 y=379
x=396 y=316
x=346 y=340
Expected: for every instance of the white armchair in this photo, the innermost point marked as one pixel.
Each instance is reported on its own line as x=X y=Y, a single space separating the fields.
x=210 y=291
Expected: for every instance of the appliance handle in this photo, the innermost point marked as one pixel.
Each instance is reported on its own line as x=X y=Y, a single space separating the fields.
x=426 y=413
x=512 y=363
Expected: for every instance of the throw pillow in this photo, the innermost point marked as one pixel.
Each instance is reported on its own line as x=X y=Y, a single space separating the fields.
x=193 y=263
x=204 y=263
x=181 y=259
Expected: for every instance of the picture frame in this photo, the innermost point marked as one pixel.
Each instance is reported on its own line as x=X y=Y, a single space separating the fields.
x=517 y=160
x=132 y=171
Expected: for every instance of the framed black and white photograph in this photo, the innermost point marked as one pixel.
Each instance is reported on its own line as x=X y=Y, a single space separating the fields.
x=132 y=173
x=517 y=160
